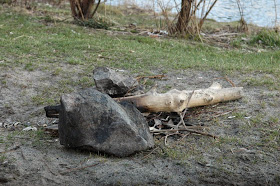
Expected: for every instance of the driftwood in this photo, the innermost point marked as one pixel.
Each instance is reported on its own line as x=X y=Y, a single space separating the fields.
x=176 y=101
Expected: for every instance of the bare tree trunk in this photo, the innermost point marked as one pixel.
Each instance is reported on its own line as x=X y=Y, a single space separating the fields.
x=73 y=8
x=83 y=9
x=184 y=16
x=187 y=20
x=87 y=6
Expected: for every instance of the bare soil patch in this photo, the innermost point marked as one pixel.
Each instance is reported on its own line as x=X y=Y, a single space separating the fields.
x=247 y=152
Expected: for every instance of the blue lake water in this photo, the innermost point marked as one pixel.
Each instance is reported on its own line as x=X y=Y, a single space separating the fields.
x=259 y=12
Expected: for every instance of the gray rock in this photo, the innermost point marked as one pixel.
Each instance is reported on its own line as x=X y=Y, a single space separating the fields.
x=92 y=120
x=110 y=82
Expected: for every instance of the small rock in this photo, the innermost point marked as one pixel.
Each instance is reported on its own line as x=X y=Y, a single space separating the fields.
x=217 y=149
x=132 y=25
x=30 y=129
x=16 y=124
x=5 y=163
x=110 y=82
x=5 y=125
x=208 y=165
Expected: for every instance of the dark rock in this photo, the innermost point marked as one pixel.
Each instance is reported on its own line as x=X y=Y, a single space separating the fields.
x=92 y=120
x=52 y=111
x=110 y=82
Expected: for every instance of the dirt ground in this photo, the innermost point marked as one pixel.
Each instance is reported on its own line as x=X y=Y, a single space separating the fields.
x=247 y=152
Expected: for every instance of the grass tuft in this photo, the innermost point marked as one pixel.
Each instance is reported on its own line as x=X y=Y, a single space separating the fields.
x=96 y=23
x=268 y=38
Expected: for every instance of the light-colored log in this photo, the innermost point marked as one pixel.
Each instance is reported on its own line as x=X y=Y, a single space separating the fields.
x=176 y=101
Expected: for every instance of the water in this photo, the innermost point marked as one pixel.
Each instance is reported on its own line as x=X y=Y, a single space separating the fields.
x=258 y=12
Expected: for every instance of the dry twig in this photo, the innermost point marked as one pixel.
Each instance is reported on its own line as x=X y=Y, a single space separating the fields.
x=150 y=77
x=165 y=139
x=151 y=152
x=228 y=80
x=182 y=114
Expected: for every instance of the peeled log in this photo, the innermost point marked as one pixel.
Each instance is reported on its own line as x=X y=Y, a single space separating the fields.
x=176 y=101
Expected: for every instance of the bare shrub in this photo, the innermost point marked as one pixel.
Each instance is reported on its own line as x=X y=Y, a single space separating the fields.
x=84 y=9
x=187 y=21
x=243 y=25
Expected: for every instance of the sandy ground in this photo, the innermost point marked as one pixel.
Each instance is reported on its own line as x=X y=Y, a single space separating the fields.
x=247 y=153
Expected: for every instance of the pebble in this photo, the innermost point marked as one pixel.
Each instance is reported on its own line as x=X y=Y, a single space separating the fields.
x=217 y=149
x=16 y=124
x=5 y=163
x=5 y=125
x=10 y=124
x=30 y=129
x=208 y=165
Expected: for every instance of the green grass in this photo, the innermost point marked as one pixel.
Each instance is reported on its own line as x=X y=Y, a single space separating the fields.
x=3 y=158
x=270 y=139
x=266 y=81
x=35 y=138
x=27 y=42
x=5 y=1
x=268 y=38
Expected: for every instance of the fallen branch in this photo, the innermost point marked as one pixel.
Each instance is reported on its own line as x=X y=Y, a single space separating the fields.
x=150 y=77
x=222 y=35
x=176 y=101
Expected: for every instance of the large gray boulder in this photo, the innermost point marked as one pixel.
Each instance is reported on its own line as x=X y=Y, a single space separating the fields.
x=113 y=83
x=92 y=120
